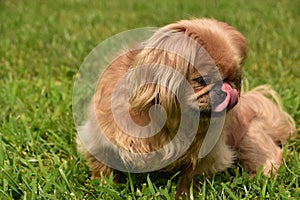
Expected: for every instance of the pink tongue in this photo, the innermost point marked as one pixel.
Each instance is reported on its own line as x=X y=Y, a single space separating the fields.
x=230 y=100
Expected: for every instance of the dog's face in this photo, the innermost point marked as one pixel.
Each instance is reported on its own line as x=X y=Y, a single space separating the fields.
x=216 y=78
x=215 y=91
x=210 y=59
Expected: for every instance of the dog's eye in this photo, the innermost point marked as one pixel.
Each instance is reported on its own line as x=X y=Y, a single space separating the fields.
x=203 y=80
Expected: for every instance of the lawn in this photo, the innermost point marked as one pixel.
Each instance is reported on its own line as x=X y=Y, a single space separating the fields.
x=42 y=45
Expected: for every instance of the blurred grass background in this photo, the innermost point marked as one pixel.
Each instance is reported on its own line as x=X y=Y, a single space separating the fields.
x=42 y=45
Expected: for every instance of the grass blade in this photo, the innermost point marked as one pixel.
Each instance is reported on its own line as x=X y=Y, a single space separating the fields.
x=230 y=193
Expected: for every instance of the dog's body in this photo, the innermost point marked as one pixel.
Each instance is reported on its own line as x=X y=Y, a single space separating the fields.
x=253 y=127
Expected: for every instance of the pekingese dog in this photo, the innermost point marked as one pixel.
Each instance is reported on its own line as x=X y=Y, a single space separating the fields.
x=184 y=80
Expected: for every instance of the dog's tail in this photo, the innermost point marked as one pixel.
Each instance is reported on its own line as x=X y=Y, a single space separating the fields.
x=267 y=102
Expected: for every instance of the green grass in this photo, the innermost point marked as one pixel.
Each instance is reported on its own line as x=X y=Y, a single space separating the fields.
x=42 y=45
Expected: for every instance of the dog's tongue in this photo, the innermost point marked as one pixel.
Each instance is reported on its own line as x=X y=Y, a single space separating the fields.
x=230 y=100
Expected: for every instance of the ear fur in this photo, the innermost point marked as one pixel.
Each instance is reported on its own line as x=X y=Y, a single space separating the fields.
x=159 y=71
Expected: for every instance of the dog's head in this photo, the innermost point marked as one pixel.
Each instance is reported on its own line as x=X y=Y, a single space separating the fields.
x=206 y=53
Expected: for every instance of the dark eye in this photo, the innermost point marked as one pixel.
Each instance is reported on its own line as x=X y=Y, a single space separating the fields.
x=203 y=80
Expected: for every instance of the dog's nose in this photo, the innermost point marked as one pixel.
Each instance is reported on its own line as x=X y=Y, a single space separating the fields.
x=217 y=89
x=217 y=95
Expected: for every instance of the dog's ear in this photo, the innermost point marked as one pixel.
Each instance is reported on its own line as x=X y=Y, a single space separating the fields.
x=161 y=71
x=155 y=84
x=161 y=84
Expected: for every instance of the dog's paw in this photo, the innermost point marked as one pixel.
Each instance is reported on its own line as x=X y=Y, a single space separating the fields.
x=182 y=193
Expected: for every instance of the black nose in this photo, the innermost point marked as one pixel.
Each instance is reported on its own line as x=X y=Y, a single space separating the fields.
x=217 y=95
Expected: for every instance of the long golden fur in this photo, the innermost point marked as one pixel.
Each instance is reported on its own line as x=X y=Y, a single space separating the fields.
x=254 y=127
